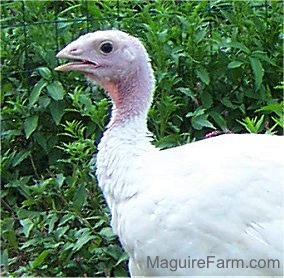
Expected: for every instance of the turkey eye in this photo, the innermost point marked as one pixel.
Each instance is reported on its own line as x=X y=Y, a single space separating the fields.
x=106 y=47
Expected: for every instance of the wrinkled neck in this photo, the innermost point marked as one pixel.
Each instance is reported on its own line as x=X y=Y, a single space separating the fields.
x=131 y=96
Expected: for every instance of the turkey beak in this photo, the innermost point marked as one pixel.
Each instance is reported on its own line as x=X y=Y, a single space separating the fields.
x=66 y=67
x=83 y=65
x=64 y=53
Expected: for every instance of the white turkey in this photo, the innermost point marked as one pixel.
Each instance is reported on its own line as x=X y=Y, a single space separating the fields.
x=212 y=207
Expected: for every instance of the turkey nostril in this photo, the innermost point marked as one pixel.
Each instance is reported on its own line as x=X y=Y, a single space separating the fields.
x=76 y=51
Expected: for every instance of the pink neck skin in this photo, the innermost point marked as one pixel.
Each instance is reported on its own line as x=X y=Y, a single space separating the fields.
x=131 y=96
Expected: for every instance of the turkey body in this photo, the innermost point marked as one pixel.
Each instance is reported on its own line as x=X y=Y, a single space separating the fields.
x=208 y=206
x=212 y=207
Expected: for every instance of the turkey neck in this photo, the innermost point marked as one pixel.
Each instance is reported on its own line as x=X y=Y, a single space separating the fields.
x=126 y=138
x=131 y=97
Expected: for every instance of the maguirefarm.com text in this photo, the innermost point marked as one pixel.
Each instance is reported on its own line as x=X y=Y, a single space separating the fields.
x=211 y=261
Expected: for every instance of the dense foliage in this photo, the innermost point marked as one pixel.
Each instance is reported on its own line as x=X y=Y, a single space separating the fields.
x=218 y=66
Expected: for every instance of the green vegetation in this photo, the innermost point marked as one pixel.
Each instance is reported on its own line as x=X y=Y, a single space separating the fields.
x=218 y=66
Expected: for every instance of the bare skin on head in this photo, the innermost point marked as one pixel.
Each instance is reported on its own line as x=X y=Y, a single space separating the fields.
x=119 y=63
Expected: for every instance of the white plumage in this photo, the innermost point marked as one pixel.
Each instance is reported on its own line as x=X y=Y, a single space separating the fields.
x=216 y=199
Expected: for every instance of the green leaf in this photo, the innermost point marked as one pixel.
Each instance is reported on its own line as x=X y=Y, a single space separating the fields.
x=19 y=157
x=83 y=236
x=9 y=232
x=259 y=123
x=114 y=251
x=30 y=125
x=60 y=180
x=206 y=99
x=44 y=101
x=51 y=222
x=263 y=56
x=40 y=259
x=238 y=45
x=200 y=35
x=44 y=72
x=120 y=271
x=66 y=218
x=86 y=101
x=219 y=120
x=200 y=122
x=41 y=139
x=279 y=122
x=199 y=119
x=202 y=73
x=227 y=102
x=124 y=257
x=277 y=108
x=57 y=111
x=24 y=213
x=186 y=91
x=107 y=233
x=234 y=64
x=27 y=225
x=254 y=125
x=199 y=111
x=59 y=232
x=5 y=259
x=258 y=71
x=280 y=86
x=80 y=197
x=55 y=90
x=33 y=98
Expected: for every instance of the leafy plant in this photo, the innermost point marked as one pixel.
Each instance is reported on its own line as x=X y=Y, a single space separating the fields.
x=254 y=125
